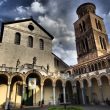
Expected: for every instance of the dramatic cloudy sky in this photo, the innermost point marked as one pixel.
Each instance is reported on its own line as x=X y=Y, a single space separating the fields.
x=57 y=17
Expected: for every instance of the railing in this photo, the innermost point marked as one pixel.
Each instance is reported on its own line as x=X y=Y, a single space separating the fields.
x=30 y=67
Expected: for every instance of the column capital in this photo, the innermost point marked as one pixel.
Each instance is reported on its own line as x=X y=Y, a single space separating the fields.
x=54 y=85
x=42 y=84
x=99 y=82
x=63 y=84
x=9 y=82
x=24 y=83
x=82 y=85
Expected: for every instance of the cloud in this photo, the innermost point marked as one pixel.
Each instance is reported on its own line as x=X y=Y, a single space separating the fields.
x=64 y=42
x=2 y=2
x=36 y=7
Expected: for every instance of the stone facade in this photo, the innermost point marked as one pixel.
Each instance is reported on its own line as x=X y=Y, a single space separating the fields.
x=91 y=76
x=90 y=34
x=26 y=52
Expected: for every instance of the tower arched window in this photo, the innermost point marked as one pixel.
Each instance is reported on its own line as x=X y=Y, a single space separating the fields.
x=99 y=25
x=17 y=38
x=102 y=42
x=84 y=26
x=96 y=23
x=80 y=27
x=30 y=41
x=41 y=44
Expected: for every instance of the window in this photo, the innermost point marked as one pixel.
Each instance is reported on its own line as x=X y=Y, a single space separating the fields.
x=56 y=62
x=30 y=41
x=99 y=25
x=96 y=23
x=17 y=38
x=31 y=27
x=80 y=27
x=84 y=26
x=102 y=42
x=41 y=44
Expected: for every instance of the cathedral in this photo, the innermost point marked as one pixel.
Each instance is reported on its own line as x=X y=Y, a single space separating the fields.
x=31 y=74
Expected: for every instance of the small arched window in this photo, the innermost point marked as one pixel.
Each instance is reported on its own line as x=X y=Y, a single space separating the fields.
x=30 y=41
x=17 y=38
x=96 y=23
x=41 y=44
x=102 y=42
x=84 y=26
x=99 y=25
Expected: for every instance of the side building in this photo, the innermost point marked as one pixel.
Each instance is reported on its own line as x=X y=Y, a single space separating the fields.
x=91 y=75
x=29 y=72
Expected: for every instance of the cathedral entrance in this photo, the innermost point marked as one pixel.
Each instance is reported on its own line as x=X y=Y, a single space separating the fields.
x=32 y=91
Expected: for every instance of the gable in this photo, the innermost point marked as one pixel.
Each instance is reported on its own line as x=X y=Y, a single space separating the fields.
x=23 y=25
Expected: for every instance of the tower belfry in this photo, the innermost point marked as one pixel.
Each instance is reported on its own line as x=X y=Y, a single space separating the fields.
x=90 y=32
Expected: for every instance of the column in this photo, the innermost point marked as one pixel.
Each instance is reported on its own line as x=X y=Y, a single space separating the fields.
x=100 y=89
x=8 y=96
x=23 y=91
x=64 y=94
x=101 y=92
x=82 y=91
x=90 y=91
x=54 y=99
x=42 y=97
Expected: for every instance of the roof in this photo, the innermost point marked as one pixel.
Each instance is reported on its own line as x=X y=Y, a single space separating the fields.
x=84 y=4
x=60 y=60
x=30 y=19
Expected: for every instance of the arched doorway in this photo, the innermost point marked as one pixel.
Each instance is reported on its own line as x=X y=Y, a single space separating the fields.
x=69 y=92
x=3 y=89
x=32 y=91
x=95 y=91
x=16 y=91
x=48 y=91
x=59 y=92
x=86 y=91
x=78 y=95
x=105 y=88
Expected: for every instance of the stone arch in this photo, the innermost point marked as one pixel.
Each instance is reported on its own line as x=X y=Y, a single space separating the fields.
x=69 y=91
x=35 y=72
x=17 y=74
x=86 y=91
x=105 y=87
x=48 y=78
x=3 y=88
x=48 y=91
x=16 y=89
x=95 y=92
x=59 y=91
x=78 y=96
x=33 y=96
x=104 y=74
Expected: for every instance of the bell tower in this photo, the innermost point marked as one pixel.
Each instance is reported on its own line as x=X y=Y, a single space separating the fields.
x=90 y=32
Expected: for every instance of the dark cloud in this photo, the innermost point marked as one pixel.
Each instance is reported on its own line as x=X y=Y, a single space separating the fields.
x=56 y=16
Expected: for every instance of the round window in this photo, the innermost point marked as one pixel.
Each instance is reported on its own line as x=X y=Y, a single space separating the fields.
x=31 y=27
